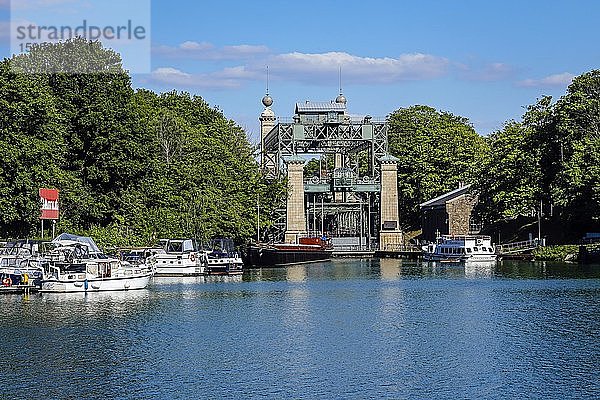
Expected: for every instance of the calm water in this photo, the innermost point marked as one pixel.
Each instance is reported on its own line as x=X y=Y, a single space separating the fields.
x=342 y=330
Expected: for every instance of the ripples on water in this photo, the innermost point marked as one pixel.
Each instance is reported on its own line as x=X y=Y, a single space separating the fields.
x=346 y=329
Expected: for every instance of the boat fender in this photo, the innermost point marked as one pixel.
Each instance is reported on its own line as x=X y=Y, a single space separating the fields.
x=85 y=285
x=7 y=282
x=26 y=279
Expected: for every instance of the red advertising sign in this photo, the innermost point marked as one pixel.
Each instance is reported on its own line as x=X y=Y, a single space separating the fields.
x=49 y=199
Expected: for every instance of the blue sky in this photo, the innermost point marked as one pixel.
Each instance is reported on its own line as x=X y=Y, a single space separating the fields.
x=484 y=60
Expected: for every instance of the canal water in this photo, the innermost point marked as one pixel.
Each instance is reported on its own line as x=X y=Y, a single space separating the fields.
x=349 y=329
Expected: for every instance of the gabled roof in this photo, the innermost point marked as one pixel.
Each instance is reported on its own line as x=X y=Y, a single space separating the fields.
x=446 y=197
x=319 y=106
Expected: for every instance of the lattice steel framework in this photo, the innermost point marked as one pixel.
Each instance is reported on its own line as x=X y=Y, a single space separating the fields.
x=359 y=213
x=346 y=138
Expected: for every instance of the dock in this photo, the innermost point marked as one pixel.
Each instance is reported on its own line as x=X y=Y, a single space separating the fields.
x=400 y=251
x=19 y=289
x=353 y=253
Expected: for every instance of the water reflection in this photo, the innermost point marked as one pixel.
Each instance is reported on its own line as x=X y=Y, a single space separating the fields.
x=296 y=273
x=390 y=269
x=480 y=269
x=345 y=329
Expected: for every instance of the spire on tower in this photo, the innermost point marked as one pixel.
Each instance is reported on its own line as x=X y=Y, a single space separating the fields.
x=267 y=100
x=341 y=98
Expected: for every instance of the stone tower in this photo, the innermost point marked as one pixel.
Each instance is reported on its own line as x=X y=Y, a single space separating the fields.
x=390 y=233
x=267 y=123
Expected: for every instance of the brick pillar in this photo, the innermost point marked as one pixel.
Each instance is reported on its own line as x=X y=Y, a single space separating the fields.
x=389 y=233
x=295 y=218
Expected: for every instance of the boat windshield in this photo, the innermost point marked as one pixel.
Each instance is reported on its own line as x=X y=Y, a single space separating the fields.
x=181 y=246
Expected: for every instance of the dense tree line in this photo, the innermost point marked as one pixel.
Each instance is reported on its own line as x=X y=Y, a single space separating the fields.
x=132 y=166
x=547 y=163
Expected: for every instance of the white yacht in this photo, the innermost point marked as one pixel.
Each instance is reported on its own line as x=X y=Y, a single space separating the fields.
x=181 y=257
x=460 y=248
x=77 y=265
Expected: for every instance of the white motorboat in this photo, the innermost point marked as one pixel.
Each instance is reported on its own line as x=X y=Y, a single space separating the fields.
x=77 y=265
x=181 y=257
x=19 y=263
x=460 y=248
x=223 y=259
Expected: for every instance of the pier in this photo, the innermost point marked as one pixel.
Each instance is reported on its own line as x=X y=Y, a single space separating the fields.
x=517 y=250
x=400 y=251
x=19 y=289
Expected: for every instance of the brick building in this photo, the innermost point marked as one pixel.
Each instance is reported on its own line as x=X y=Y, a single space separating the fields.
x=449 y=214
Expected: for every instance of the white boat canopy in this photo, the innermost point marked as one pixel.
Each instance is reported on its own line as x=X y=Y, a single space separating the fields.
x=88 y=241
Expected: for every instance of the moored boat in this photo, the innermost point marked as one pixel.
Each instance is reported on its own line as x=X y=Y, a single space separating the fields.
x=181 y=257
x=223 y=259
x=281 y=254
x=19 y=265
x=460 y=248
x=76 y=265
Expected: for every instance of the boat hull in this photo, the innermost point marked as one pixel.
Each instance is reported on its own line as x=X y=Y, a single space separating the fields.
x=96 y=284
x=257 y=257
x=442 y=258
x=225 y=266
x=179 y=271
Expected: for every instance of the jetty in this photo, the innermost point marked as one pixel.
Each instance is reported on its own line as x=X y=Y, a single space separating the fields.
x=19 y=289
x=408 y=251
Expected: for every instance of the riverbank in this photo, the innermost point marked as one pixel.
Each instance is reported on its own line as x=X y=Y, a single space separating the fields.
x=567 y=252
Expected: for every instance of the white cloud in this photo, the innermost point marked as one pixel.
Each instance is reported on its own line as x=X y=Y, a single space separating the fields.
x=556 y=80
x=311 y=67
x=193 y=46
x=172 y=77
x=207 y=51
x=487 y=73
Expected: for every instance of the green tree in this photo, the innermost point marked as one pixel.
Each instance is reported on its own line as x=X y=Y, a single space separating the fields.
x=437 y=152
x=510 y=184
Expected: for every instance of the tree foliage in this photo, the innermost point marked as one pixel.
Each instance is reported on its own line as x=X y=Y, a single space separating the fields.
x=437 y=152
x=132 y=166
x=550 y=158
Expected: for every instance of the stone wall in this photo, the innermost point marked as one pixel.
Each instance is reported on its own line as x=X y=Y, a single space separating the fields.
x=459 y=212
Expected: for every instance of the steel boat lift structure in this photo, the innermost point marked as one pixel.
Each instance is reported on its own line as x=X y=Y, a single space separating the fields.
x=353 y=198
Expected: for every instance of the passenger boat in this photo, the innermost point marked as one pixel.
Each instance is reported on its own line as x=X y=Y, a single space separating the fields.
x=223 y=259
x=181 y=257
x=281 y=254
x=77 y=265
x=460 y=248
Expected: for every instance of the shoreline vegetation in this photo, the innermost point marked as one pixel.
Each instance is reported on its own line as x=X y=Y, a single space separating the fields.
x=568 y=252
x=134 y=166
